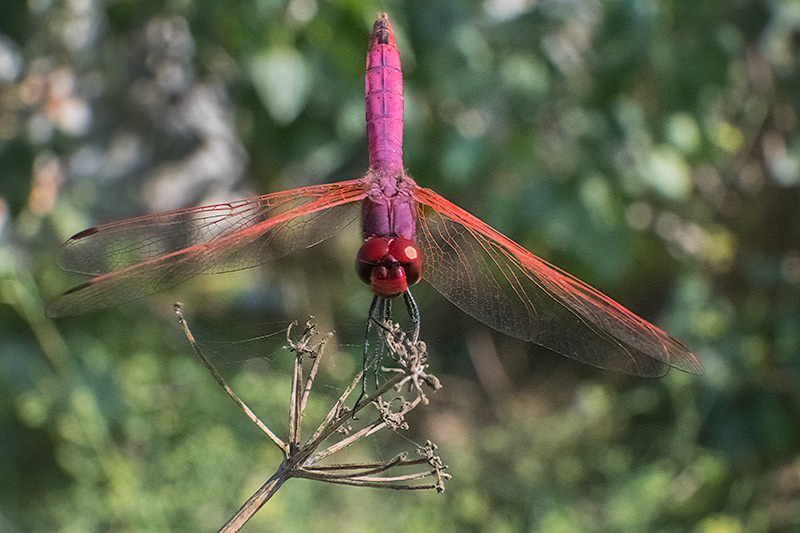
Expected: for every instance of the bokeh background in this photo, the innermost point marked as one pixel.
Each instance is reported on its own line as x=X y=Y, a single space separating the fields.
x=650 y=148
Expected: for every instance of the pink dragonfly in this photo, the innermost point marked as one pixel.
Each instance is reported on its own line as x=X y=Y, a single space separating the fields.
x=409 y=233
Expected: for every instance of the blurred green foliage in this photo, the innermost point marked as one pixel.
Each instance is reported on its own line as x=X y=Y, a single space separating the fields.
x=650 y=148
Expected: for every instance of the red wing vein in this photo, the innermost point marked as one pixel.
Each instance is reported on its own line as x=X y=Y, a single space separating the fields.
x=243 y=242
x=502 y=284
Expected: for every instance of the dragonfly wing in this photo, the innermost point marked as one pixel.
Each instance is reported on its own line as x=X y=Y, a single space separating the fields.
x=141 y=256
x=503 y=285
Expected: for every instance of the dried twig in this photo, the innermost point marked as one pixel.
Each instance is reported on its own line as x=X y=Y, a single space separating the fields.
x=221 y=382
x=303 y=460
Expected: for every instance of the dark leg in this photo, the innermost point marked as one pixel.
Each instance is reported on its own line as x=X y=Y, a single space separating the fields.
x=376 y=300
x=413 y=312
x=382 y=307
x=384 y=322
x=370 y=319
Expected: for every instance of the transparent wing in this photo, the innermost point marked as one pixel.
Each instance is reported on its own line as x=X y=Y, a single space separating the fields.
x=140 y=256
x=503 y=285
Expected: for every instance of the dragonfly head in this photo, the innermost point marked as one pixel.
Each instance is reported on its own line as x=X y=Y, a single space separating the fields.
x=389 y=265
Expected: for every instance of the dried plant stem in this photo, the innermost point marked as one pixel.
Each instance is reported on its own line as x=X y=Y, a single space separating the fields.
x=301 y=460
x=221 y=382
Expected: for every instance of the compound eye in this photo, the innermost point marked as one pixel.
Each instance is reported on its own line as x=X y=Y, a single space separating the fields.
x=369 y=255
x=403 y=250
x=373 y=250
x=406 y=253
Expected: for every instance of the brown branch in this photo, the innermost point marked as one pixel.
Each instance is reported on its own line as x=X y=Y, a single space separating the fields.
x=221 y=382
x=302 y=461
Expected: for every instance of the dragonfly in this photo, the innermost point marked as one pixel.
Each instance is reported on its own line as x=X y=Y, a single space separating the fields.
x=409 y=233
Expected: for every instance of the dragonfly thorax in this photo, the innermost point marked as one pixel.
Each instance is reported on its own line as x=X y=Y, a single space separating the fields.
x=389 y=265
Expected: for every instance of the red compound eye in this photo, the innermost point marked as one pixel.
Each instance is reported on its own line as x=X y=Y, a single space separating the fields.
x=406 y=253
x=371 y=253
x=389 y=266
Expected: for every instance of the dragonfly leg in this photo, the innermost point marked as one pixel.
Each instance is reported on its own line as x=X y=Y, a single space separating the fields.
x=376 y=300
x=380 y=313
x=385 y=323
x=413 y=312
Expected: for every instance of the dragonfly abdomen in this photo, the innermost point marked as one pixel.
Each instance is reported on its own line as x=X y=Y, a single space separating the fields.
x=384 y=100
